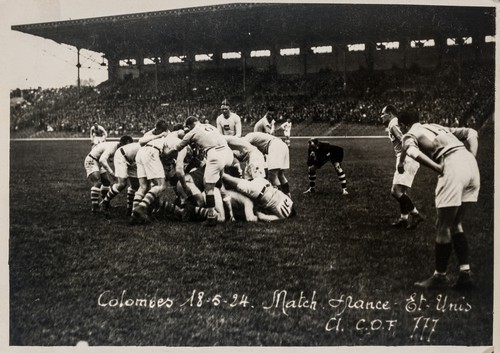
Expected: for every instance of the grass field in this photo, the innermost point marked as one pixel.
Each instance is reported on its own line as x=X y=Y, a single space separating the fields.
x=75 y=276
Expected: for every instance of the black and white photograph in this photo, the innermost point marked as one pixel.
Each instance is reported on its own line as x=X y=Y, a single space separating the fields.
x=315 y=175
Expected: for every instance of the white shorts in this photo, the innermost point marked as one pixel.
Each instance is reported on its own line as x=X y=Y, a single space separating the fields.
x=278 y=156
x=460 y=180
x=149 y=164
x=92 y=166
x=406 y=178
x=218 y=158
x=255 y=165
x=124 y=169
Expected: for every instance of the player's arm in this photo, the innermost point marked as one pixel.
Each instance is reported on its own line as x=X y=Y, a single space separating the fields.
x=219 y=126
x=150 y=136
x=469 y=137
x=266 y=217
x=104 y=161
x=241 y=201
x=237 y=127
x=226 y=200
x=179 y=168
x=92 y=134
x=412 y=150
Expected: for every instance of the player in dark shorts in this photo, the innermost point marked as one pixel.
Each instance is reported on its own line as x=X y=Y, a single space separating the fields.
x=317 y=155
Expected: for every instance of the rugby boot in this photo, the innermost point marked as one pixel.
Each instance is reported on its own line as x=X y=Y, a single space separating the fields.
x=464 y=281
x=435 y=281
x=310 y=191
x=416 y=220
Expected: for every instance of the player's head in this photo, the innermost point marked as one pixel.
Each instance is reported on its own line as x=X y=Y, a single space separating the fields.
x=95 y=123
x=224 y=107
x=125 y=140
x=313 y=142
x=271 y=111
x=388 y=112
x=288 y=120
x=161 y=126
x=407 y=118
x=179 y=130
x=191 y=122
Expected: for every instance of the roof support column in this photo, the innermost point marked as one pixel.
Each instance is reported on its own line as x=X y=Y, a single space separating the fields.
x=78 y=66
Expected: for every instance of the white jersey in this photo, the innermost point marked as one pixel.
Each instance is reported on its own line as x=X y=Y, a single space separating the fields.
x=287 y=128
x=395 y=135
x=205 y=136
x=230 y=125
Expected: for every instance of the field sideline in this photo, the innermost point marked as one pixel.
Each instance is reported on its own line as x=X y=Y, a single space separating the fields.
x=335 y=275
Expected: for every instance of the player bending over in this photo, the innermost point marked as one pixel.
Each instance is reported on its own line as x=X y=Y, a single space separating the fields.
x=318 y=154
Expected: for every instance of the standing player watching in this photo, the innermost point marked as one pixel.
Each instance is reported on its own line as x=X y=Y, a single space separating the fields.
x=266 y=124
x=287 y=131
x=228 y=123
x=401 y=182
x=218 y=155
x=98 y=134
x=450 y=152
x=318 y=154
x=96 y=165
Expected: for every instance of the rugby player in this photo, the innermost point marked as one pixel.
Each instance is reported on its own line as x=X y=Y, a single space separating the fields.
x=98 y=134
x=228 y=123
x=450 y=152
x=318 y=154
x=98 y=169
x=406 y=169
x=278 y=157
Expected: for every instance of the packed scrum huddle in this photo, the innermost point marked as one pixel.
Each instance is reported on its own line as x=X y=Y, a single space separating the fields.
x=215 y=177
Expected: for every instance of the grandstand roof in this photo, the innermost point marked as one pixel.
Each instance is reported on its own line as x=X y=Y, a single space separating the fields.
x=240 y=26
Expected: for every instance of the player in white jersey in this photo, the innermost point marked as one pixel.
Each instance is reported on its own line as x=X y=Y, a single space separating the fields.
x=228 y=123
x=253 y=160
x=278 y=157
x=401 y=182
x=160 y=130
x=450 y=152
x=287 y=131
x=125 y=174
x=266 y=123
x=218 y=156
x=271 y=204
x=97 y=165
x=98 y=134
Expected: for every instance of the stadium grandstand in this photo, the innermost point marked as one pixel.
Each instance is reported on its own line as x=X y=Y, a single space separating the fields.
x=330 y=73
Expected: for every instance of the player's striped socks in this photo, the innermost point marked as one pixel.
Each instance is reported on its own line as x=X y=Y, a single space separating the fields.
x=130 y=199
x=104 y=190
x=137 y=199
x=341 y=176
x=113 y=191
x=201 y=212
x=312 y=178
x=148 y=199
x=95 y=193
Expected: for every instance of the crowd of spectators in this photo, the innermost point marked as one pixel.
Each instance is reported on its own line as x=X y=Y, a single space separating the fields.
x=442 y=95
